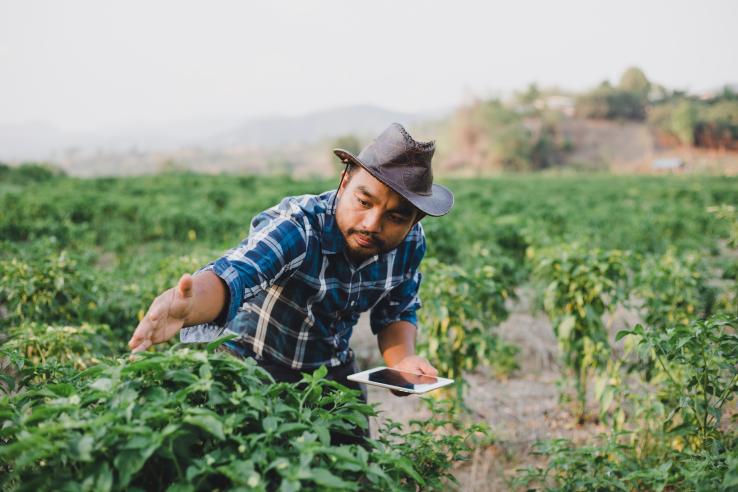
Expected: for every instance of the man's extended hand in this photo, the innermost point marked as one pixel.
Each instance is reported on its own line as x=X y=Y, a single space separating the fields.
x=414 y=364
x=165 y=317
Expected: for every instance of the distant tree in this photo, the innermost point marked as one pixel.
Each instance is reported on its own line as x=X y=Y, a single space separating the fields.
x=30 y=172
x=717 y=127
x=613 y=103
x=677 y=117
x=684 y=121
x=635 y=81
x=728 y=94
x=526 y=100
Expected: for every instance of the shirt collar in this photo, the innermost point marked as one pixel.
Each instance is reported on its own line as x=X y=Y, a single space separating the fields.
x=331 y=241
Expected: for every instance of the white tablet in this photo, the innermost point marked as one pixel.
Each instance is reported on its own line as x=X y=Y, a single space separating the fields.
x=400 y=380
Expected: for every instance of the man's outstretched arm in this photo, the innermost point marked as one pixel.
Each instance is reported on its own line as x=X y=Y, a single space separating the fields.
x=196 y=299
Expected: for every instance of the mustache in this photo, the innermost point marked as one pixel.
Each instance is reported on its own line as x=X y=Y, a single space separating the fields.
x=368 y=235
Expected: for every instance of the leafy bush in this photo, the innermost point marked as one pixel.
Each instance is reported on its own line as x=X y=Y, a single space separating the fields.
x=47 y=288
x=710 y=124
x=80 y=346
x=581 y=285
x=613 y=463
x=699 y=361
x=607 y=102
x=686 y=450
x=186 y=420
x=674 y=290
x=460 y=310
x=28 y=173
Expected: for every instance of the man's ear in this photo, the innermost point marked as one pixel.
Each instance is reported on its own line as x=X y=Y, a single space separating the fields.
x=345 y=178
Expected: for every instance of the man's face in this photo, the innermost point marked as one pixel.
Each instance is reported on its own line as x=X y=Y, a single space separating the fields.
x=372 y=218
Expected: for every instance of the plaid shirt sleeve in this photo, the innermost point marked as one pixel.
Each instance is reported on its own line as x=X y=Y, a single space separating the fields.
x=402 y=302
x=276 y=246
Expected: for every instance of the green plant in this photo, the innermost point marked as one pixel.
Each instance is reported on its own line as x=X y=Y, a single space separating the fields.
x=674 y=289
x=80 y=346
x=460 y=310
x=190 y=420
x=676 y=440
x=50 y=287
x=699 y=362
x=616 y=463
x=581 y=285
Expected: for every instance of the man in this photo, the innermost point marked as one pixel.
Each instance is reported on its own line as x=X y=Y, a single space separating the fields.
x=293 y=290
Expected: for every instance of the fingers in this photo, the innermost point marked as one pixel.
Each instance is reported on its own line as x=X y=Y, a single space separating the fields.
x=417 y=364
x=140 y=336
x=144 y=331
x=427 y=369
x=143 y=346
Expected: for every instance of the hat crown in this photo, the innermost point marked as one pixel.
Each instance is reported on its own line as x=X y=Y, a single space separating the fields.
x=404 y=165
x=394 y=154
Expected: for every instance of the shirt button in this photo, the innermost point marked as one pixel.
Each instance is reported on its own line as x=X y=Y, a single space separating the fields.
x=353 y=303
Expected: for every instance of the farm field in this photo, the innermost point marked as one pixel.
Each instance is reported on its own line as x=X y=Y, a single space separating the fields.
x=590 y=320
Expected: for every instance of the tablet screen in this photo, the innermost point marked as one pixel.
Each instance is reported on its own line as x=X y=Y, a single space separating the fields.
x=401 y=379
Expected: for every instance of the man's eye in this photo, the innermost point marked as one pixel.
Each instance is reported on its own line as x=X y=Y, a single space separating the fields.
x=363 y=202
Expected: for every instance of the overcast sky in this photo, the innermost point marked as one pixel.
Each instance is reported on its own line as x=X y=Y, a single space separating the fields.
x=82 y=65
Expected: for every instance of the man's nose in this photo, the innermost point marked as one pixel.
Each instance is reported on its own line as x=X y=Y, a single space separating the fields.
x=372 y=221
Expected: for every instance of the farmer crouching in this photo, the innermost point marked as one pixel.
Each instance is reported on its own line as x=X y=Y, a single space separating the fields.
x=293 y=290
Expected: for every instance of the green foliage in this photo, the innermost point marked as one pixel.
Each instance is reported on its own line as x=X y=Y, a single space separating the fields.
x=635 y=81
x=710 y=124
x=434 y=445
x=28 y=173
x=460 y=310
x=581 y=285
x=688 y=449
x=729 y=215
x=607 y=102
x=674 y=289
x=699 y=361
x=492 y=136
x=48 y=288
x=718 y=125
x=83 y=255
x=189 y=420
x=615 y=463
x=80 y=346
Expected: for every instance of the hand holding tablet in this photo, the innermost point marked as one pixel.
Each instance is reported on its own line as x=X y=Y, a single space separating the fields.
x=406 y=382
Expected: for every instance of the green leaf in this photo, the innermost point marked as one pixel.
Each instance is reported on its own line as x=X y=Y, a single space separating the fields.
x=102 y=384
x=324 y=478
x=406 y=465
x=622 y=334
x=320 y=372
x=565 y=327
x=82 y=448
x=270 y=424
x=208 y=423
x=210 y=347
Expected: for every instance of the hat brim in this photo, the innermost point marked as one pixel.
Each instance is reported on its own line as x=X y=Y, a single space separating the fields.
x=438 y=203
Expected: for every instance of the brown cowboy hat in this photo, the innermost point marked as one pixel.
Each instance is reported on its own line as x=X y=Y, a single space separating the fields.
x=403 y=164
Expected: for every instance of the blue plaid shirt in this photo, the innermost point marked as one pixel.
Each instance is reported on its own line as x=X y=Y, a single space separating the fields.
x=294 y=294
